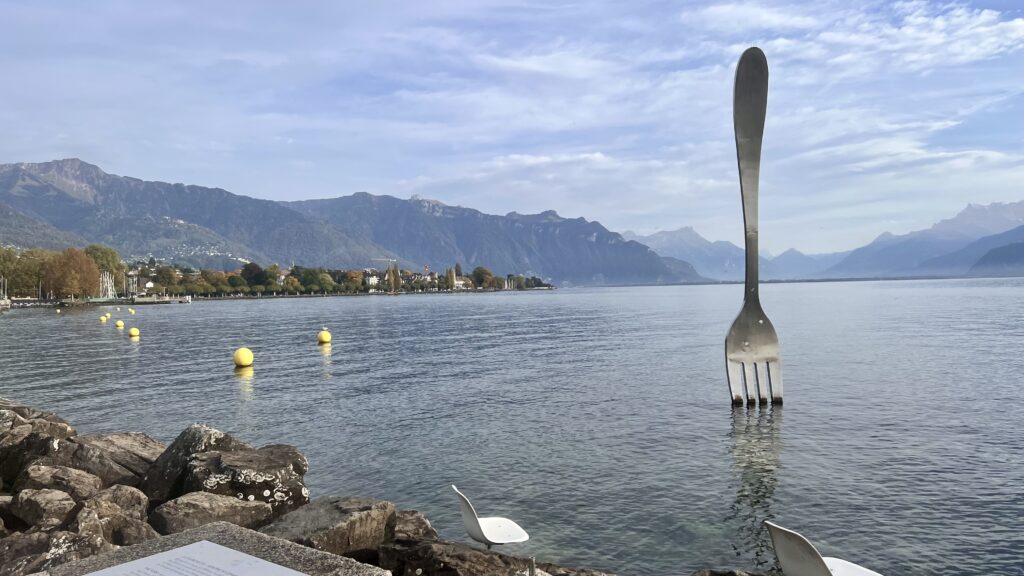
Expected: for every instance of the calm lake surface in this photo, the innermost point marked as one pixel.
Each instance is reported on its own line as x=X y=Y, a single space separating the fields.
x=599 y=419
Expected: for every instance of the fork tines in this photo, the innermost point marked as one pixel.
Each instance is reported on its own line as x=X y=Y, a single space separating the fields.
x=755 y=381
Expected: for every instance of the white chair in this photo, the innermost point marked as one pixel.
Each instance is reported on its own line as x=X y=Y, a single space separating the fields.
x=489 y=531
x=798 y=557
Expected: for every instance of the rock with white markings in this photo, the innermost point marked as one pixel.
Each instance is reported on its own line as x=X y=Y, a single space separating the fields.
x=165 y=477
x=198 y=508
x=271 y=474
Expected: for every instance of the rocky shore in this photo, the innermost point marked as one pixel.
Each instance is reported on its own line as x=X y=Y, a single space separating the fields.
x=65 y=497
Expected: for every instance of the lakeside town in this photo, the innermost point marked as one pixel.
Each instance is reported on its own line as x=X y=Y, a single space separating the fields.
x=98 y=273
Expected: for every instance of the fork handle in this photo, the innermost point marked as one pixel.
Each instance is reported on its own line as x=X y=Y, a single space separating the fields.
x=749 y=105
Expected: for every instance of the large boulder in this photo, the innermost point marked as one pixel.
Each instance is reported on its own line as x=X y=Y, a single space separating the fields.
x=43 y=509
x=20 y=550
x=347 y=526
x=121 y=499
x=271 y=474
x=133 y=450
x=10 y=419
x=29 y=413
x=18 y=451
x=11 y=522
x=409 y=557
x=78 y=484
x=110 y=523
x=198 y=508
x=53 y=550
x=413 y=524
x=164 y=478
x=712 y=572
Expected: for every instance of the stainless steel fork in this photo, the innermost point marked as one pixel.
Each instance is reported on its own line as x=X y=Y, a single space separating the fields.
x=752 y=348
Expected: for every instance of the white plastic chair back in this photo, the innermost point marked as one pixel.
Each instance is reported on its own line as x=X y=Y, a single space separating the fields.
x=469 y=518
x=797 y=556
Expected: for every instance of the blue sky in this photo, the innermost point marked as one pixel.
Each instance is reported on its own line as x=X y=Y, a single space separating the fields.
x=881 y=115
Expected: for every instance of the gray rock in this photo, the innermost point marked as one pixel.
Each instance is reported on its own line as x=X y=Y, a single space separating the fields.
x=108 y=522
x=42 y=509
x=10 y=419
x=408 y=557
x=281 y=552
x=413 y=524
x=18 y=552
x=164 y=478
x=29 y=413
x=61 y=547
x=350 y=526
x=133 y=450
x=271 y=474
x=711 y=572
x=39 y=448
x=11 y=522
x=4 y=532
x=198 y=508
x=128 y=501
x=78 y=484
x=11 y=456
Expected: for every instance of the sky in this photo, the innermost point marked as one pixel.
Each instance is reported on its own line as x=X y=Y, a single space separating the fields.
x=882 y=116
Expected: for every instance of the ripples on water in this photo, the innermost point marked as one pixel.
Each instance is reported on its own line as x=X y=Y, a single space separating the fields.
x=599 y=419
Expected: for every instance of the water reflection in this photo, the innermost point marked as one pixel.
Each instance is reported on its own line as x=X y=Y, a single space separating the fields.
x=244 y=376
x=756 y=442
x=325 y=351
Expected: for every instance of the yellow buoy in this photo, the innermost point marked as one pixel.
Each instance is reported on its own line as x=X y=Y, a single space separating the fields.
x=119 y=324
x=131 y=310
x=103 y=318
x=118 y=308
x=324 y=337
x=243 y=357
x=108 y=315
x=58 y=310
x=133 y=332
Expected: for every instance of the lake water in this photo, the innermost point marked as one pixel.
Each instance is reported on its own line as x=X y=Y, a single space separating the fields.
x=599 y=419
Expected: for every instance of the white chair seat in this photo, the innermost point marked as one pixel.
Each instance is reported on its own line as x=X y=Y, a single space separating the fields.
x=840 y=567
x=502 y=531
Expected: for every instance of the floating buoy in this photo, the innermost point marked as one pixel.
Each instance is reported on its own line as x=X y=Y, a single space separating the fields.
x=108 y=315
x=134 y=332
x=118 y=308
x=324 y=337
x=131 y=310
x=103 y=318
x=119 y=324
x=243 y=357
x=58 y=310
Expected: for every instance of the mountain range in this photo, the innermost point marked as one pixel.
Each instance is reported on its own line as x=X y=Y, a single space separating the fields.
x=953 y=247
x=71 y=202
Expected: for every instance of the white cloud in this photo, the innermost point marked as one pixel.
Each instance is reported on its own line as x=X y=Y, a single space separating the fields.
x=616 y=112
x=737 y=18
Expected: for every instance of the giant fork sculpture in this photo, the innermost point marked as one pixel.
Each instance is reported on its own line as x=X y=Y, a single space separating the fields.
x=752 y=348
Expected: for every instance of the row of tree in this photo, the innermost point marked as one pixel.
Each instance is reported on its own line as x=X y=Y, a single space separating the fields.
x=72 y=273
x=75 y=273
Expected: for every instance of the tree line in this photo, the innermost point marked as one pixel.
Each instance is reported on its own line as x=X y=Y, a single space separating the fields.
x=75 y=273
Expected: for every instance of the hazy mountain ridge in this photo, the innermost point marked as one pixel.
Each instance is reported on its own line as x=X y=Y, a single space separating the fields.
x=722 y=260
x=904 y=255
x=951 y=247
x=1001 y=261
